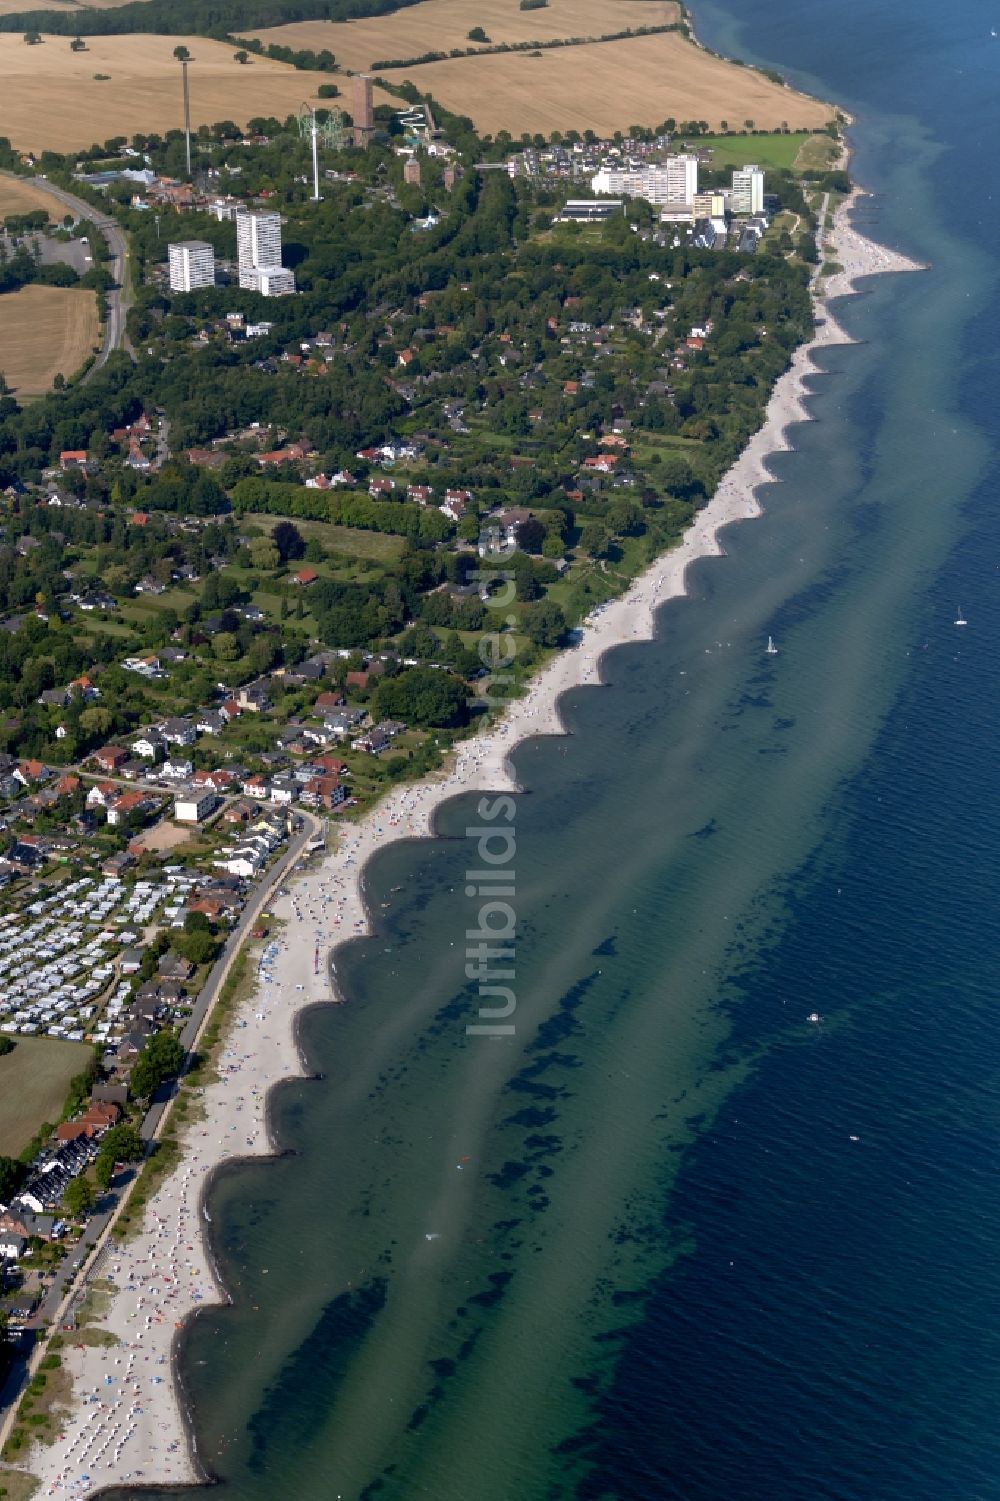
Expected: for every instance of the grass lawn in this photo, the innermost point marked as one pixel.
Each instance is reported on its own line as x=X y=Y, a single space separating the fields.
x=776 y=150
x=34 y=1080
x=350 y=540
x=110 y=628
x=818 y=153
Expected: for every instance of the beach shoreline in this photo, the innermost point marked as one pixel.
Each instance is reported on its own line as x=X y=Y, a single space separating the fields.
x=129 y=1425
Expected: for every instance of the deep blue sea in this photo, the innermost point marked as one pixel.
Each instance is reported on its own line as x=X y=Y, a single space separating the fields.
x=689 y=1244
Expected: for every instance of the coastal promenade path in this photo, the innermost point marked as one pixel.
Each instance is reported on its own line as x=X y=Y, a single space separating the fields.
x=85 y=1257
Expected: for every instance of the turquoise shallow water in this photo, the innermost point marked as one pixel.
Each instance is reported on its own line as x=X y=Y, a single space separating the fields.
x=663 y=1267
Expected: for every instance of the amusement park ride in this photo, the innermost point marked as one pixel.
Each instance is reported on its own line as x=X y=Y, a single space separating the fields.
x=330 y=131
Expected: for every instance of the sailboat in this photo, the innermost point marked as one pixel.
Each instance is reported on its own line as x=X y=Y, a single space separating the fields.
x=772 y=650
x=961 y=620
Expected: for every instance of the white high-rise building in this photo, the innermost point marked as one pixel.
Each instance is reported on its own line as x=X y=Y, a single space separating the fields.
x=258 y=253
x=674 y=181
x=258 y=241
x=191 y=264
x=748 y=190
x=682 y=178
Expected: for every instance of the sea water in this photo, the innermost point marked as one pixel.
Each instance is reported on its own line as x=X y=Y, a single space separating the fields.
x=672 y=1238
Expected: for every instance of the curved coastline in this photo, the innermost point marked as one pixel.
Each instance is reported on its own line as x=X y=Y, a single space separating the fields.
x=160 y=1435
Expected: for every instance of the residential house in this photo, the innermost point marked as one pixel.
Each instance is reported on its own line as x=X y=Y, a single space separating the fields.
x=178 y=731
x=194 y=807
x=255 y=697
x=129 y=805
x=284 y=789
x=173 y=966
x=328 y=701
x=149 y=744
x=96 y=599
x=375 y=741
x=324 y=792
x=213 y=781
x=110 y=757
x=100 y=795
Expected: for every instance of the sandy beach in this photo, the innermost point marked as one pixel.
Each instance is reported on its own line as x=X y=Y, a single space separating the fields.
x=126 y=1424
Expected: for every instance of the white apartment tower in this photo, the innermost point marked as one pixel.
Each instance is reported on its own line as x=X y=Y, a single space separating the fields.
x=258 y=254
x=191 y=264
x=682 y=178
x=748 y=190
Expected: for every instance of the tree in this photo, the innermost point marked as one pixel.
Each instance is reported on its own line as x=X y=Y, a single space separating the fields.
x=12 y=1175
x=226 y=646
x=477 y=34
x=123 y=1143
x=544 y=622
x=530 y=535
x=96 y=721
x=182 y=54
x=78 y=44
x=423 y=696
x=79 y=1197
x=288 y=540
x=264 y=554
x=104 y=1172
x=161 y=1058
x=625 y=518
x=198 y=947
x=242 y=56
x=32 y=38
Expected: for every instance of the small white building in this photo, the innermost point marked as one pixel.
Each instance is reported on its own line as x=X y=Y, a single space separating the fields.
x=194 y=807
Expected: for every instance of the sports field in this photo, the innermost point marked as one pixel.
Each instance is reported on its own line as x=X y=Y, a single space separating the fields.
x=45 y=332
x=34 y=1081
x=609 y=86
x=52 y=100
x=440 y=25
x=20 y=197
x=797 y=149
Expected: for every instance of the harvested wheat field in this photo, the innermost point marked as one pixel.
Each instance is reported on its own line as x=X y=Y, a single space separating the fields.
x=45 y=332
x=34 y=1082
x=609 y=86
x=20 y=197
x=51 y=99
x=440 y=25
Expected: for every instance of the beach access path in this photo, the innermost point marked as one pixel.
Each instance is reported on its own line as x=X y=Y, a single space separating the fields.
x=127 y=1424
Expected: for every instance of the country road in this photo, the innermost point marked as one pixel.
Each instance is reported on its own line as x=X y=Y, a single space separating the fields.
x=117 y=297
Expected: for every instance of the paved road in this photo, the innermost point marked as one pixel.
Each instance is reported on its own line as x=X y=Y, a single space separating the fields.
x=52 y=1310
x=117 y=298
